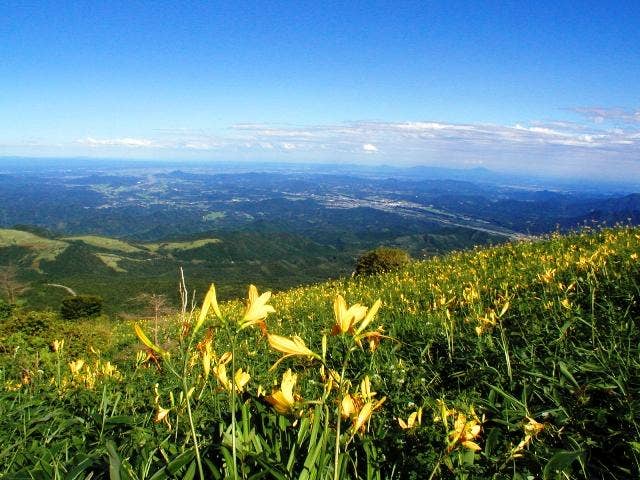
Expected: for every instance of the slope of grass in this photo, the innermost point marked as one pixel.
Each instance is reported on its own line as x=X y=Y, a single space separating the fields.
x=106 y=243
x=44 y=248
x=191 y=245
x=112 y=261
x=524 y=358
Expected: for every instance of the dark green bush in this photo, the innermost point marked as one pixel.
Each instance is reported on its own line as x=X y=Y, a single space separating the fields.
x=5 y=310
x=382 y=259
x=81 y=306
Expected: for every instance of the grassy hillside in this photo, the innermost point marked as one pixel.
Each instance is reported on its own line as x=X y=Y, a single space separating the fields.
x=519 y=361
x=40 y=247
x=120 y=270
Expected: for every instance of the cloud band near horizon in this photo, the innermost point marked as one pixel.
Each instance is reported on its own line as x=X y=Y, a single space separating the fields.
x=610 y=140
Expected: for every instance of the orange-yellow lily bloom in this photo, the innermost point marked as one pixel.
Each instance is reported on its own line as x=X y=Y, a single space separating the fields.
x=464 y=432
x=414 y=420
x=210 y=301
x=257 y=308
x=360 y=422
x=346 y=318
x=283 y=400
x=294 y=346
x=241 y=378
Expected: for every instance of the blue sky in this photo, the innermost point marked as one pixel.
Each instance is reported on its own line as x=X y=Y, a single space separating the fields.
x=541 y=87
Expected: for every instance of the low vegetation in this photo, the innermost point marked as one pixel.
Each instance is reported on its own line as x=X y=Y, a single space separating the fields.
x=81 y=306
x=381 y=260
x=520 y=361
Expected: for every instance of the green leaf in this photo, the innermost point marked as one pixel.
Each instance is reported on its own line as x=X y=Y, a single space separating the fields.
x=191 y=472
x=80 y=467
x=228 y=458
x=213 y=469
x=180 y=461
x=114 y=461
x=491 y=441
x=509 y=397
x=560 y=462
x=120 y=420
x=565 y=371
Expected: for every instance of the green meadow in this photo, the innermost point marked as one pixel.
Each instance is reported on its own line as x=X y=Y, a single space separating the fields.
x=520 y=361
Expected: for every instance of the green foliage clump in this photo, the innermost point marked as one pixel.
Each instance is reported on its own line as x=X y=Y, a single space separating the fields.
x=5 y=310
x=81 y=306
x=381 y=260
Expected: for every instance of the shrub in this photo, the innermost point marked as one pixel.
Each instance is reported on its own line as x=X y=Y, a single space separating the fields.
x=5 y=310
x=81 y=306
x=382 y=259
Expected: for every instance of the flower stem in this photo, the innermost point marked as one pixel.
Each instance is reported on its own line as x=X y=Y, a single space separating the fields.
x=336 y=458
x=193 y=430
x=232 y=339
x=185 y=389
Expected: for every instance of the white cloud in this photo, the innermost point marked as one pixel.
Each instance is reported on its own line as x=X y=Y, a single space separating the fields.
x=116 y=142
x=600 y=115
x=537 y=146
x=611 y=145
x=369 y=148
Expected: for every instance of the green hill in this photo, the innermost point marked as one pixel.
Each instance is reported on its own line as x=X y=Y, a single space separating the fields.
x=524 y=360
x=119 y=271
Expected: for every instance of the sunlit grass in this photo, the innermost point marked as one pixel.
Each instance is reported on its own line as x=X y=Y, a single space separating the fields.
x=106 y=243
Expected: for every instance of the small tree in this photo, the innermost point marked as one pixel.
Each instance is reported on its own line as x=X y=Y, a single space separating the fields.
x=155 y=305
x=81 y=306
x=382 y=259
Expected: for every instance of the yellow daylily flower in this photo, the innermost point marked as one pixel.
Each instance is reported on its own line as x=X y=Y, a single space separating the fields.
x=225 y=358
x=257 y=308
x=148 y=343
x=531 y=429
x=283 y=400
x=76 y=366
x=207 y=356
x=57 y=345
x=487 y=322
x=464 y=432
x=360 y=422
x=365 y=389
x=241 y=378
x=162 y=415
x=373 y=338
x=294 y=346
x=348 y=406
x=210 y=301
x=345 y=317
x=371 y=313
x=414 y=420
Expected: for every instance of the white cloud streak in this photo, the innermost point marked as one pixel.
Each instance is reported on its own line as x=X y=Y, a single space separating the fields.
x=600 y=115
x=116 y=142
x=369 y=148
x=609 y=140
